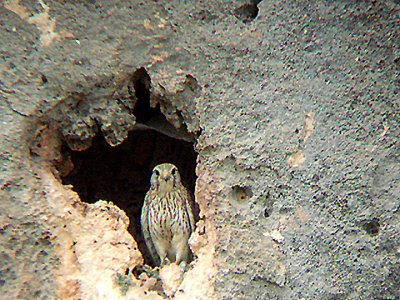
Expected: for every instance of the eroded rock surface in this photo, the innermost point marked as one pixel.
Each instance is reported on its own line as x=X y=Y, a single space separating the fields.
x=294 y=110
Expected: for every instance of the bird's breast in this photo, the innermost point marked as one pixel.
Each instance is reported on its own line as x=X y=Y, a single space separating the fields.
x=168 y=215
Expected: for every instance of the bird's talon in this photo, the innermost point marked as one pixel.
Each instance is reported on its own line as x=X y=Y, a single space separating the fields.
x=183 y=265
x=165 y=261
x=153 y=272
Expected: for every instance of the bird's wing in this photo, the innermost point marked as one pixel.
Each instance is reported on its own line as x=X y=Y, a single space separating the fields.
x=144 y=221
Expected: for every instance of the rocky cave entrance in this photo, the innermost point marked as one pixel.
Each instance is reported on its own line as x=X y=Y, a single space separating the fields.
x=121 y=174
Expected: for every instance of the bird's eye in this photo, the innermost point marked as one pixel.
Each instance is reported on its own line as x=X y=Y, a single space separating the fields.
x=157 y=172
x=173 y=171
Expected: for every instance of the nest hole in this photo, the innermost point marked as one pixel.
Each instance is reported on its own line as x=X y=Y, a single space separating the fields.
x=122 y=174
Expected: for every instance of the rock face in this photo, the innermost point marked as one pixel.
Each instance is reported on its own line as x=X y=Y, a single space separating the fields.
x=283 y=114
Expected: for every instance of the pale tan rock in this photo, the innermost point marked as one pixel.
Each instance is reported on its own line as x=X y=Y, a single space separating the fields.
x=198 y=239
x=92 y=243
x=170 y=276
x=150 y=284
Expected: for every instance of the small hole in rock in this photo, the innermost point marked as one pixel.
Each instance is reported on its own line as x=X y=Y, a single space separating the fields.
x=241 y=194
x=43 y=78
x=137 y=270
x=247 y=12
x=372 y=227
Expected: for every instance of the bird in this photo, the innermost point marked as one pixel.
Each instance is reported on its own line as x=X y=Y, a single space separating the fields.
x=167 y=219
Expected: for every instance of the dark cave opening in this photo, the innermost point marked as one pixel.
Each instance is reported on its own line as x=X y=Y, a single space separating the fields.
x=122 y=174
x=140 y=88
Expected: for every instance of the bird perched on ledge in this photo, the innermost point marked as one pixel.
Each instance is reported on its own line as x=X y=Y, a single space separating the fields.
x=167 y=218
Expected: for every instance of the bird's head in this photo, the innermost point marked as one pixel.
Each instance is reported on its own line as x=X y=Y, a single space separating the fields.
x=165 y=178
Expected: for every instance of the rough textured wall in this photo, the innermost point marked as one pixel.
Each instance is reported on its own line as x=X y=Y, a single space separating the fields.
x=298 y=156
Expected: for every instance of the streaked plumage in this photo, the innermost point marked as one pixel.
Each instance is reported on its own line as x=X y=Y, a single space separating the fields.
x=167 y=218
